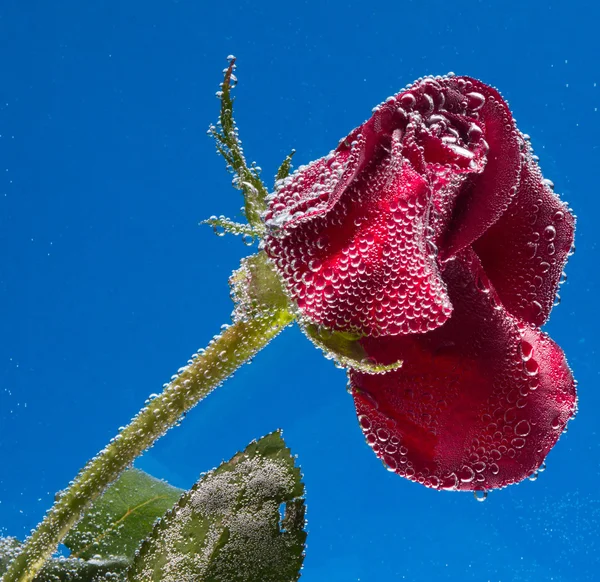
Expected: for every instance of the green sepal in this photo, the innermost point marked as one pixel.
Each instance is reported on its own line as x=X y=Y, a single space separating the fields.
x=247 y=179
x=256 y=288
x=228 y=527
x=122 y=517
x=346 y=350
x=284 y=170
x=223 y=225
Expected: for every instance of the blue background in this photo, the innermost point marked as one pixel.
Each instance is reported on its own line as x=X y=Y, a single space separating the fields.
x=108 y=284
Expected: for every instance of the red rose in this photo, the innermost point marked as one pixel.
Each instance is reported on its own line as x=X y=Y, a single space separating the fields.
x=430 y=233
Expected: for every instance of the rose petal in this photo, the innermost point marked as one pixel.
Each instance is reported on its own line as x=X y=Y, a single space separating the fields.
x=485 y=196
x=366 y=264
x=525 y=252
x=479 y=402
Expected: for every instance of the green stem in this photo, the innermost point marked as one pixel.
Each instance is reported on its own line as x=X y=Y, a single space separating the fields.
x=222 y=357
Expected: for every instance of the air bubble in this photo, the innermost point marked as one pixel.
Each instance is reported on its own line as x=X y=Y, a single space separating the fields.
x=482 y=284
x=526 y=350
x=480 y=495
x=466 y=474
x=523 y=428
x=531 y=367
x=382 y=434
x=537 y=309
x=408 y=100
x=548 y=183
x=365 y=422
x=518 y=443
x=432 y=250
x=530 y=250
x=390 y=462
x=450 y=482
x=476 y=101
x=549 y=233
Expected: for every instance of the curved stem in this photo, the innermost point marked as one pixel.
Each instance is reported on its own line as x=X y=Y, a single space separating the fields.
x=224 y=354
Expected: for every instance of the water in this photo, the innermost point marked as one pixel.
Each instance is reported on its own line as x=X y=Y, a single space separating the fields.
x=108 y=285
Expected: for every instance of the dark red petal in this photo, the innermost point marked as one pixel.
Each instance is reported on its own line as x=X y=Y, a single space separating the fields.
x=478 y=403
x=365 y=265
x=525 y=252
x=485 y=196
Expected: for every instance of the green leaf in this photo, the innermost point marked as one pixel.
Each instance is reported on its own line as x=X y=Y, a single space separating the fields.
x=228 y=527
x=122 y=517
x=9 y=548
x=346 y=350
x=68 y=569
x=247 y=179
x=256 y=288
